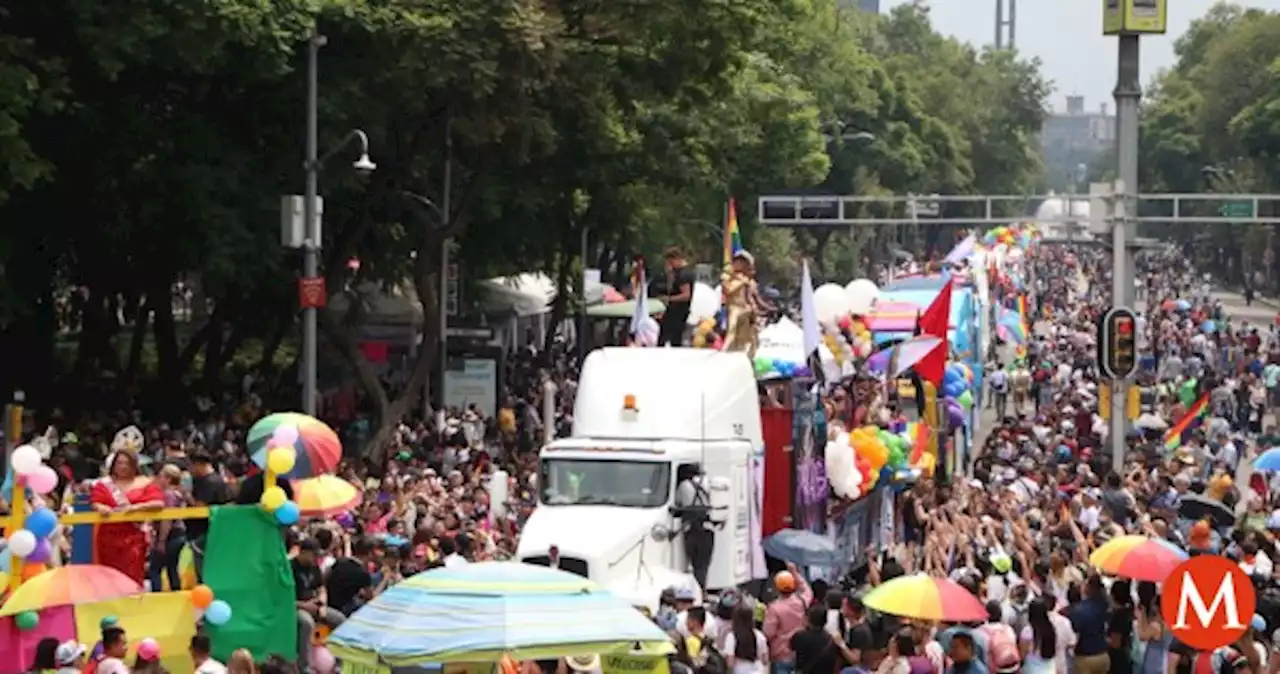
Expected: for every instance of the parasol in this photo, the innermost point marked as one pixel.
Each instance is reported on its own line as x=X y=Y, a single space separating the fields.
x=69 y=586
x=1150 y=422
x=1268 y=460
x=924 y=597
x=482 y=612
x=909 y=352
x=1198 y=507
x=803 y=548
x=325 y=495
x=1138 y=558
x=318 y=448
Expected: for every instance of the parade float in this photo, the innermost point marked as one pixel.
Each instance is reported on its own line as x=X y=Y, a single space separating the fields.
x=247 y=599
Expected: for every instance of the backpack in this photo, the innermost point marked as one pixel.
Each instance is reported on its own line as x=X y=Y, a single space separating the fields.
x=1002 y=648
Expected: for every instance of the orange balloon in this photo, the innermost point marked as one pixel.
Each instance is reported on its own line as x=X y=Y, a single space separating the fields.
x=201 y=596
x=31 y=570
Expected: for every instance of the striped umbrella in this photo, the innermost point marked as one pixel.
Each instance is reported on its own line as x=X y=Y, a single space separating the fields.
x=69 y=586
x=1138 y=557
x=317 y=446
x=924 y=597
x=483 y=612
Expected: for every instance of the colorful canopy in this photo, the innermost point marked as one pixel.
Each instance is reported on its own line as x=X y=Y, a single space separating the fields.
x=318 y=447
x=893 y=317
x=325 y=495
x=926 y=598
x=1138 y=558
x=68 y=586
x=481 y=612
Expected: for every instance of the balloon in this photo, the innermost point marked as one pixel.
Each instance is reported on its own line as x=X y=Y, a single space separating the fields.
x=288 y=513
x=965 y=399
x=897 y=458
x=41 y=522
x=201 y=596
x=33 y=569
x=952 y=389
x=284 y=436
x=322 y=661
x=845 y=322
x=281 y=459
x=762 y=365
x=860 y=296
x=273 y=498
x=22 y=543
x=864 y=349
x=218 y=613
x=803 y=371
x=704 y=303
x=27 y=620
x=955 y=416
x=25 y=460
x=786 y=369
x=43 y=480
x=148 y=649
x=968 y=372
x=829 y=303
x=41 y=554
x=699 y=341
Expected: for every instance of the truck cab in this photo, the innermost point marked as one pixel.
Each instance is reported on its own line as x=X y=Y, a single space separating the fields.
x=606 y=494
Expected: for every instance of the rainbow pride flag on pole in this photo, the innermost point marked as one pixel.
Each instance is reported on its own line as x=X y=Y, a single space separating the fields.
x=732 y=246
x=1026 y=325
x=1173 y=436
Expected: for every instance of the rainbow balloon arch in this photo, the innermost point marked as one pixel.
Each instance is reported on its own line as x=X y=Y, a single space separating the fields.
x=74 y=601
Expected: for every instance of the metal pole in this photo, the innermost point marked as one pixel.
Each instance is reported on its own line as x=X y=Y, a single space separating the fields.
x=445 y=214
x=1128 y=95
x=1013 y=24
x=582 y=308
x=548 y=411
x=311 y=252
x=999 y=24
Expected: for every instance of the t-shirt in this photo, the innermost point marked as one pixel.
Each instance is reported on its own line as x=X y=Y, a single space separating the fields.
x=210 y=490
x=1089 y=620
x=860 y=637
x=347 y=577
x=815 y=651
x=756 y=666
x=211 y=666
x=680 y=277
x=112 y=666
x=306 y=580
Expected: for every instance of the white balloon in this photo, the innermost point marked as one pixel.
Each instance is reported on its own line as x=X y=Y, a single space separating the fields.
x=861 y=295
x=704 y=303
x=25 y=460
x=842 y=473
x=22 y=543
x=829 y=302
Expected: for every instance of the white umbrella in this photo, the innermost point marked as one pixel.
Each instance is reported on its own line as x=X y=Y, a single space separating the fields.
x=1151 y=422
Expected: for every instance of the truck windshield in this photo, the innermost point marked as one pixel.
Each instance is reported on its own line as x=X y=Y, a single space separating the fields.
x=630 y=484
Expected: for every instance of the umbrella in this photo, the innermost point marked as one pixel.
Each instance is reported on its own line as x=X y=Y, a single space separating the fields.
x=1182 y=305
x=481 y=612
x=1138 y=557
x=318 y=447
x=926 y=598
x=803 y=548
x=1150 y=422
x=69 y=586
x=1268 y=460
x=910 y=352
x=890 y=316
x=1198 y=507
x=325 y=495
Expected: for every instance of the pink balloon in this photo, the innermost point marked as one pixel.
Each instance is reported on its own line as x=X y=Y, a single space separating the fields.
x=284 y=436
x=43 y=480
x=148 y=649
x=322 y=661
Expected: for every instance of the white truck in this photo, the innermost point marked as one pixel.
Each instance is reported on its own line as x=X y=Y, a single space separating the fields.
x=606 y=493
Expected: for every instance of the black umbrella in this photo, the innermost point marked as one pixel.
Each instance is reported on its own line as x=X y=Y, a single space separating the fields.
x=1198 y=507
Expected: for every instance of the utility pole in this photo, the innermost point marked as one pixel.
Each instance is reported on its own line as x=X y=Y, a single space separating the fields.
x=311 y=247
x=1006 y=24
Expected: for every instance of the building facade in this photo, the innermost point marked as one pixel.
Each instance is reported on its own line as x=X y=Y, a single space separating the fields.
x=1074 y=137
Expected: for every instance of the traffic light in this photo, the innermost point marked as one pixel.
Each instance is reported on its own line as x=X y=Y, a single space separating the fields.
x=1118 y=343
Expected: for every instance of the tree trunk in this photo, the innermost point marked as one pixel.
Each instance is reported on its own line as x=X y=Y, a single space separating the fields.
x=137 y=339
x=170 y=367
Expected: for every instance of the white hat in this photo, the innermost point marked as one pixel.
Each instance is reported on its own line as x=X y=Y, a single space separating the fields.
x=68 y=652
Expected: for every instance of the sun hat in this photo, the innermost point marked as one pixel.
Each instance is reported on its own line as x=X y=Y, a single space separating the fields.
x=68 y=652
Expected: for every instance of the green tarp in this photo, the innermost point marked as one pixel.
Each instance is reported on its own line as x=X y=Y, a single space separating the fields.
x=246 y=566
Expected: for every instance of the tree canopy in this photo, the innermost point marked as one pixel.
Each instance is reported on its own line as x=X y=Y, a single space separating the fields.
x=147 y=145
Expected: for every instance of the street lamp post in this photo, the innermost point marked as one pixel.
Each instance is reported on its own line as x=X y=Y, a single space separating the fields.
x=311 y=219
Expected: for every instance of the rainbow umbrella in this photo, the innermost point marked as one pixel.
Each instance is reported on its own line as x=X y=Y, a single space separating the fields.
x=69 y=586
x=1138 y=558
x=924 y=597
x=318 y=447
x=325 y=495
x=910 y=353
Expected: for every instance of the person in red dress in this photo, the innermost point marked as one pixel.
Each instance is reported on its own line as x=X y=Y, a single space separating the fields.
x=123 y=545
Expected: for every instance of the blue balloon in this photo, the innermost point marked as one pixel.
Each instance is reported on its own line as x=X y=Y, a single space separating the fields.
x=778 y=365
x=288 y=513
x=952 y=390
x=886 y=475
x=42 y=522
x=218 y=613
x=6 y=560
x=952 y=375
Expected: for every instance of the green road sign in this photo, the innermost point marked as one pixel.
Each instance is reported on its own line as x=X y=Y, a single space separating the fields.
x=1237 y=209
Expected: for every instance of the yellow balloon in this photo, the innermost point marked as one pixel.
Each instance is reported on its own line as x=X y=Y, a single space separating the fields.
x=273 y=498
x=280 y=460
x=699 y=341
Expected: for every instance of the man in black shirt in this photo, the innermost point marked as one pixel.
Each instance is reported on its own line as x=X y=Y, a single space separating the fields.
x=679 y=292
x=251 y=489
x=207 y=489
x=349 y=583
x=858 y=637
x=817 y=652
x=311 y=599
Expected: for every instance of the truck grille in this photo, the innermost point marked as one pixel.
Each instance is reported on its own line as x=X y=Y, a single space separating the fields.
x=571 y=564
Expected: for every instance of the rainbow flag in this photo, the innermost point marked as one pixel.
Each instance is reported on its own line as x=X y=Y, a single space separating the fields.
x=1173 y=436
x=732 y=235
x=1026 y=325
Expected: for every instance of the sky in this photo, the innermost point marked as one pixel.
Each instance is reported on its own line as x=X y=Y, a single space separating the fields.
x=1067 y=37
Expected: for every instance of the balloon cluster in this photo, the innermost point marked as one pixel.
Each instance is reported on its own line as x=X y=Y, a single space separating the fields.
x=781 y=368
x=31 y=542
x=705 y=335
x=216 y=611
x=281 y=457
x=1019 y=235
x=859 y=336
x=957 y=391
x=858 y=460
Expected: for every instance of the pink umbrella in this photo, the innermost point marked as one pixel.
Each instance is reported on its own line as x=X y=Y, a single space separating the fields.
x=910 y=352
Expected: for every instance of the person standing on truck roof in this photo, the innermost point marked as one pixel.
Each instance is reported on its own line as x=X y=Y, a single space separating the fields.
x=678 y=295
x=693 y=507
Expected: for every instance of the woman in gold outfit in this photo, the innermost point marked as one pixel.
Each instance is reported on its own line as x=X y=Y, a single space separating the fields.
x=743 y=304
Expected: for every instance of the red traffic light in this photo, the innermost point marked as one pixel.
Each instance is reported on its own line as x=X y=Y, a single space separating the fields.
x=1124 y=325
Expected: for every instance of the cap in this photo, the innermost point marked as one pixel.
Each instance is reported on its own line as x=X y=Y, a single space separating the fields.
x=785 y=582
x=108 y=621
x=1258 y=623
x=68 y=652
x=201 y=456
x=684 y=594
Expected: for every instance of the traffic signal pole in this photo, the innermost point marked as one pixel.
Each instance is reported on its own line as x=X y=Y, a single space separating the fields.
x=1122 y=278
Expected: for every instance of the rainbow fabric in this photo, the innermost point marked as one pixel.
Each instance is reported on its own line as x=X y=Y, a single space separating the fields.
x=732 y=235
x=1026 y=325
x=1173 y=437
